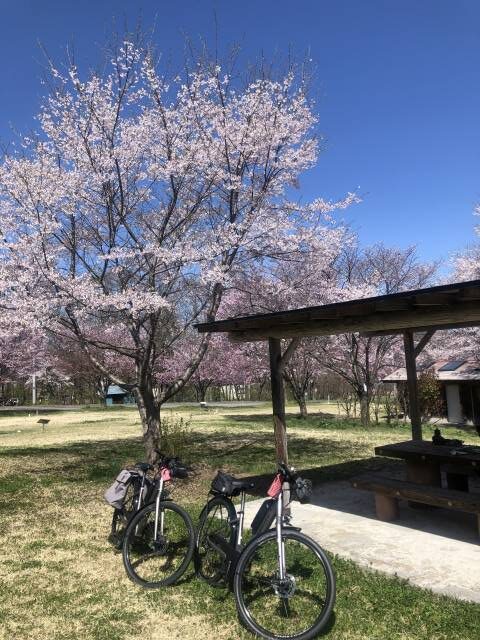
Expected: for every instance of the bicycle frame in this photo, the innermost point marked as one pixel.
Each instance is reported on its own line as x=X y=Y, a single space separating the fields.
x=281 y=518
x=159 y=517
x=241 y=520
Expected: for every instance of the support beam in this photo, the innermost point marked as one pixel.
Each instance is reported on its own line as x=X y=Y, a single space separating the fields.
x=422 y=343
x=278 y=399
x=399 y=332
x=392 y=322
x=411 y=367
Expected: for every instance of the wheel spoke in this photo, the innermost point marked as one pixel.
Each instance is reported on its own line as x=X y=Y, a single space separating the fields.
x=150 y=562
x=214 y=536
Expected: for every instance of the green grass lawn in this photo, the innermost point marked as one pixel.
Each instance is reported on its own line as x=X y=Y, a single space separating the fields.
x=61 y=579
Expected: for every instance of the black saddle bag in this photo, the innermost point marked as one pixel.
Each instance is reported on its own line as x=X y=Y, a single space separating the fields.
x=223 y=484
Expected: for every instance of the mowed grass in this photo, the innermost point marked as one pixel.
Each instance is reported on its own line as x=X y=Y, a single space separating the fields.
x=60 y=578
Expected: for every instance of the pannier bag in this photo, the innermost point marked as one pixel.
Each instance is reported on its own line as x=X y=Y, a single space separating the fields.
x=264 y=518
x=115 y=495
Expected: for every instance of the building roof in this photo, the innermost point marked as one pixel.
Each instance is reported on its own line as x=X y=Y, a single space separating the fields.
x=441 y=307
x=465 y=371
x=116 y=390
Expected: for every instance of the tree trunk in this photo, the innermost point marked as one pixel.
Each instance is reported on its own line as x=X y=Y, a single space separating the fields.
x=149 y=410
x=302 y=405
x=201 y=389
x=364 y=399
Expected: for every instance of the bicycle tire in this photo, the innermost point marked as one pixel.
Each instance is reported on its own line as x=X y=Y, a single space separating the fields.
x=209 y=564
x=255 y=615
x=139 y=545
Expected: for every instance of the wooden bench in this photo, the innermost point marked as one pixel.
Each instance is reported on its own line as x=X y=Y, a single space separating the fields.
x=388 y=491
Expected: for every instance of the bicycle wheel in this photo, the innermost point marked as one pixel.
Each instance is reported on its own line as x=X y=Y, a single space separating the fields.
x=216 y=531
x=297 y=607
x=159 y=562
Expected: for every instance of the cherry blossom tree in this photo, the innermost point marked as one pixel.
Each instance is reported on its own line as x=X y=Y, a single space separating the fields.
x=23 y=353
x=460 y=343
x=309 y=278
x=70 y=360
x=141 y=199
x=300 y=372
x=224 y=364
x=362 y=361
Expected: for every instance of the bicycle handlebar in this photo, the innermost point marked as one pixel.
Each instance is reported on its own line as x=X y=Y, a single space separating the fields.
x=301 y=487
x=289 y=474
x=177 y=468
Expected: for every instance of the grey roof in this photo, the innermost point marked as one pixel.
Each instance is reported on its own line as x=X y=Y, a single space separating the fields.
x=469 y=370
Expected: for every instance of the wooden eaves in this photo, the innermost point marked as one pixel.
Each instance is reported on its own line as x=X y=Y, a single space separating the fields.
x=407 y=313
x=445 y=306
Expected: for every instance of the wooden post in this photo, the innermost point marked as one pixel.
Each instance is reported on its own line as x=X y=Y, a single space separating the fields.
x=278 y=399
x=386 y=507
x=411 y=367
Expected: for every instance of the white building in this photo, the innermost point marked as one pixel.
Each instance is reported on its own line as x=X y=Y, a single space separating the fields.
x=461 y=384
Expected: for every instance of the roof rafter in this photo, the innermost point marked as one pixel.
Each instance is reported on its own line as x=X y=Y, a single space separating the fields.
x=442 y=307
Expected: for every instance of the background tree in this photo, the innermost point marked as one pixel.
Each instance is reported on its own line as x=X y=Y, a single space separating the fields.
x=87 y=379
x=300 y=371
x=307 y=278
x=455 y=344
x=362 y=361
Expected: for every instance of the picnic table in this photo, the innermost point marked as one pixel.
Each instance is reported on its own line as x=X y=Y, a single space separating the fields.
x=424 y=463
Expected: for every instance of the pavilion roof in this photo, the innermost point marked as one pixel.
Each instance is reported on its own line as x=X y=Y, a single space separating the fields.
x=441 y=307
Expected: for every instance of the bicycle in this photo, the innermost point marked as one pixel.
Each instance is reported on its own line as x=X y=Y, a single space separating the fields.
x=159 y=540
x=283 y=583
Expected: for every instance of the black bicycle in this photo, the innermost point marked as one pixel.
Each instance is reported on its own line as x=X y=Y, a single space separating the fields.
x=283 y=582
x=160 y=538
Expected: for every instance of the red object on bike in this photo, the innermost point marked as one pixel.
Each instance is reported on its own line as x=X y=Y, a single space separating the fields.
x=165 y=473
x=276 y=486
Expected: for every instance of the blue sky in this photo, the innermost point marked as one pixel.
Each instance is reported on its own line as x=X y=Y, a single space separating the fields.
x=397 y=85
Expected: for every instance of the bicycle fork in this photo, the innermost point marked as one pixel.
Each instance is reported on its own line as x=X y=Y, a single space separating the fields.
x=159 y=517
x=280 y=542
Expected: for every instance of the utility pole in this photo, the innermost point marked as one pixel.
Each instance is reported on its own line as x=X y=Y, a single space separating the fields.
x=34 y=388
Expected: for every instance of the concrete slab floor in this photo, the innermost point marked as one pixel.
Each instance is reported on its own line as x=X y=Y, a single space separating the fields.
x=435 y=549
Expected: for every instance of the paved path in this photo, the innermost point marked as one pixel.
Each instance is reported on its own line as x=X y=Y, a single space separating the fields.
x=44 y=408
x=167 y=405
x=435 y=549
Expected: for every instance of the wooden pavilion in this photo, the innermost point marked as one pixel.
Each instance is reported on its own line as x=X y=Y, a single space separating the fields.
x=421 y=312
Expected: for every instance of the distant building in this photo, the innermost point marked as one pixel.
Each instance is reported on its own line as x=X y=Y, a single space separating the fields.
x=460 y=381
x=119 y=395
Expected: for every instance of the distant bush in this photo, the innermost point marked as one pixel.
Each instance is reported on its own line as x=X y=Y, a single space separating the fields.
x=174 y=432
x=430 y=396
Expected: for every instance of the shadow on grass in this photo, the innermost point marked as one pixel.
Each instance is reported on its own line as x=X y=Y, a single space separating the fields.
x=330 y=472
x=88 y=460
x=266 y=418
x=242 y=452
